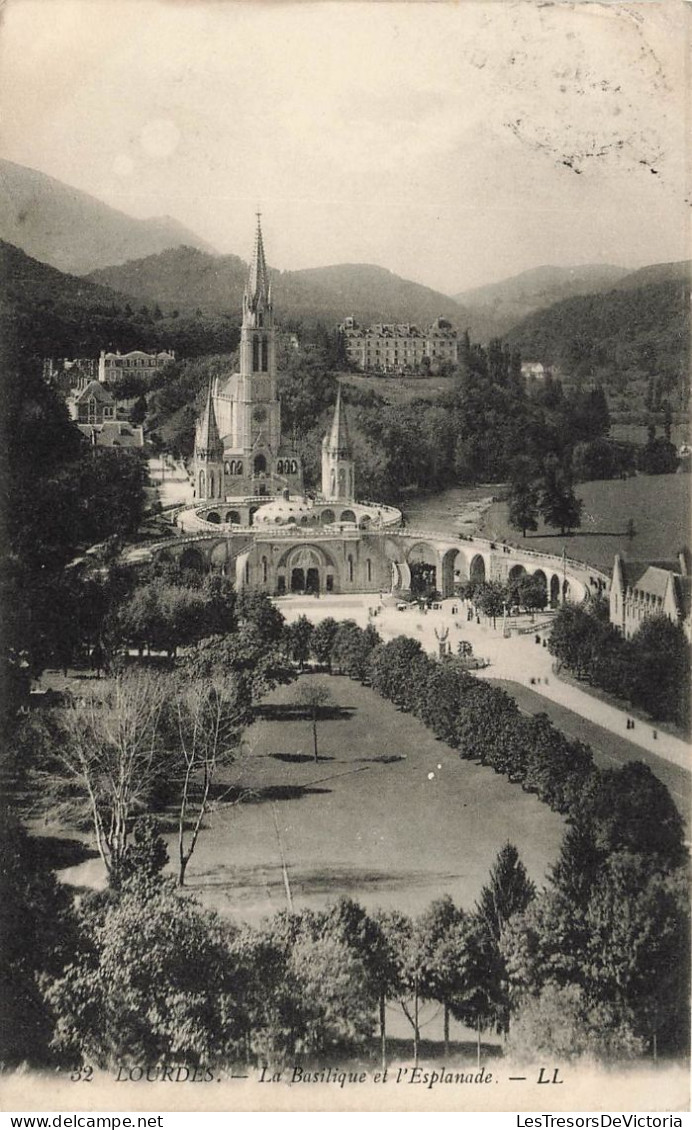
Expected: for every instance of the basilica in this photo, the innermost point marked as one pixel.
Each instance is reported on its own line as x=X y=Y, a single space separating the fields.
x=248 y=480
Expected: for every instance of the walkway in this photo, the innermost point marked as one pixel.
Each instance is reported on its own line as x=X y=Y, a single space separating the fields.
x=517 y=659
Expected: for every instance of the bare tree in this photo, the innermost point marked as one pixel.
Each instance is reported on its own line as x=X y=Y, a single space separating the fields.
x=209 y=719
x=312 y=696
x=106 y=759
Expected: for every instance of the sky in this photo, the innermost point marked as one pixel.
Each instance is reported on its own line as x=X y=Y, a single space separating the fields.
x=455 y=143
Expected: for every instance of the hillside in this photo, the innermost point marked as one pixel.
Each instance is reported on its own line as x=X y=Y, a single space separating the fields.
x=47 y=313
x=625 y=337
x=511 y=300
x=188 y=279
x=73 y=231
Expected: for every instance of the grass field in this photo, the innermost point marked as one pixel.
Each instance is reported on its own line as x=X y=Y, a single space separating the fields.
x=368 y=820
x=659 y=506
x=401 y=390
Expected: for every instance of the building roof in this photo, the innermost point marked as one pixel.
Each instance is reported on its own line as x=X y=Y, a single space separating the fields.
x=113 y=433
x=97 y=391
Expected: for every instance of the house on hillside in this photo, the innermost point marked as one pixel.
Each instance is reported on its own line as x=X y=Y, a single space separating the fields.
x=92 y=404
x=114 y=365
x=640 y=589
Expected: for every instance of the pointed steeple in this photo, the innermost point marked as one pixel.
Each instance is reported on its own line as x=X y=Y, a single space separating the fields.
x=207 y=439
x=339 y=442
x=258 y=289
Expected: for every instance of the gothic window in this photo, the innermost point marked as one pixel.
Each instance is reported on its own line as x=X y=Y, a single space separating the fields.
x=247 y=572
x=260 y=465
x=280 y=467
x=350 y=567
x=239 y=467
x=265 y=355
x=255 y=355
x=368 y=565
x=227 y=468
x=294 y=467
x=201 y=484
x=333 y=484
x=264 y=570
x=211 y=484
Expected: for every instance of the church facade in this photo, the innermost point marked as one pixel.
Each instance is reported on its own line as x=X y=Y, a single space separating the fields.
x=239 y=449
x=248 y=481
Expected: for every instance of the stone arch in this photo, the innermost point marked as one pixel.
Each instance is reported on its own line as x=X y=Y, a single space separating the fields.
x=233 y=517
x=454 y=571
x=306 y=568
x=540 y=576
x=477 y=569
x=365 y=522
x=239 y=467
x=347 y=516
x=423 y=563
x=251 y=515
x=516 y=573
x=554 y=590
x=260 y=464
x=327 y=517
x=193 y=559
x=213 y=516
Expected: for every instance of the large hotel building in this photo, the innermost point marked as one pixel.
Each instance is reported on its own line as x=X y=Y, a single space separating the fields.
x=398 y=348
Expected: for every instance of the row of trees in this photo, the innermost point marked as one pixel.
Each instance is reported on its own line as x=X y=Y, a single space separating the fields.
x=651 y=670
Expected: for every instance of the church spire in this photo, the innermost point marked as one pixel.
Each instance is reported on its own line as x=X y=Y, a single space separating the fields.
x=339 y=441
x=258 y=289
x=208 y=440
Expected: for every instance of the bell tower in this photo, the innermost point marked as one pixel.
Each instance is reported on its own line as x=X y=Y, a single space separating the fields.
x=338 y=484
x=258 y=409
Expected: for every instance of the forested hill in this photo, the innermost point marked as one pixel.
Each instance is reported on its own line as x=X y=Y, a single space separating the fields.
x=46 y=313
x=623 y=337
x=511 y=300
x=188 y=279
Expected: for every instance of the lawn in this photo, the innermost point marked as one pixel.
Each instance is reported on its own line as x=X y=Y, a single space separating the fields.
x=401 y=390
x=659 y=506
x=389 y=815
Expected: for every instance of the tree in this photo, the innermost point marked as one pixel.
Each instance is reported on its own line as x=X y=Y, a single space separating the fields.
x=313 y=696
x=153 y=982
x=299 y=640
x=207 y=725
x=322 y=641
x=509 y=891
x=523 y=496
x=108 y=761
x=37 y=939
x=558 y=504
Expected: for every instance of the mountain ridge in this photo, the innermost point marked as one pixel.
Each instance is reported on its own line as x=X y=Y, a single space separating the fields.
x=73 y=231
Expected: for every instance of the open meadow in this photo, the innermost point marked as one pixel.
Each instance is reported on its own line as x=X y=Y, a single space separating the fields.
x=389 y=815
x=659 y=506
